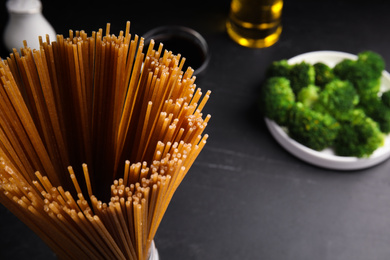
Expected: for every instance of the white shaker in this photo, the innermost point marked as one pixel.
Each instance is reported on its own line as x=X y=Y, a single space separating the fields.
x=26 y=22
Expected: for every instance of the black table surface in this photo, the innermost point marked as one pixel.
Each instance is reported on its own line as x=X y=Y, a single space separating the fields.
x=245 y=196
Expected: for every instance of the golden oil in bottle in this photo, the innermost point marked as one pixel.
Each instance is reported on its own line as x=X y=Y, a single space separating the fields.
x=255 y=23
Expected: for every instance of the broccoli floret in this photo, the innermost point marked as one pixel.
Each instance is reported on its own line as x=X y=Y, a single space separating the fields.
x=378 y=111
x=363 y=73
x=323 y=107
x=323 y=74
x=278 y=69
x=343 y=69
x=301 y=75
x=359 y=136
x=386 y=98
x=276 y=99
x=374 y=61
x=337 y=98
x=311 y=128
x=308 y=95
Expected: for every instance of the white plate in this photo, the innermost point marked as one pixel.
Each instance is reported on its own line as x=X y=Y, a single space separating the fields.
x=327 y=158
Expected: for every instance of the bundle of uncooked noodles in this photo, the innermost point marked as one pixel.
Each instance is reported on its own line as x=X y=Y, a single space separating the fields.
x=129 y=120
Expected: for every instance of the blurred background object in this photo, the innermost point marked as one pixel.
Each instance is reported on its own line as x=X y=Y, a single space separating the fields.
x=186 y=41
x=255 y=23
x=26 y=22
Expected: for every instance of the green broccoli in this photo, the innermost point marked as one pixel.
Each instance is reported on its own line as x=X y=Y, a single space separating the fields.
x=321 y=107
x=364 y=73
x=378 y=111
x=276 y=99
x=374 y=61
x=337 y=98
x=344 y=69
x=301 y=75
x=386 y=98
x=308 y=95
x=359 y=136
x=323 y=74
x=311 y=128
x=278 y=69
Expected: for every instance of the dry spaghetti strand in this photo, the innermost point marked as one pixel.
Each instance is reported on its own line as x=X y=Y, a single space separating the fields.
x=73 y=115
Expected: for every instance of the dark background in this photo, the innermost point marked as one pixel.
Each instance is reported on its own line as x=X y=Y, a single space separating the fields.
x=246 y=197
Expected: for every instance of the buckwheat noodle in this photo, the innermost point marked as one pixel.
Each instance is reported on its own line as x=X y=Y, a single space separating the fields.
x=130 y=119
